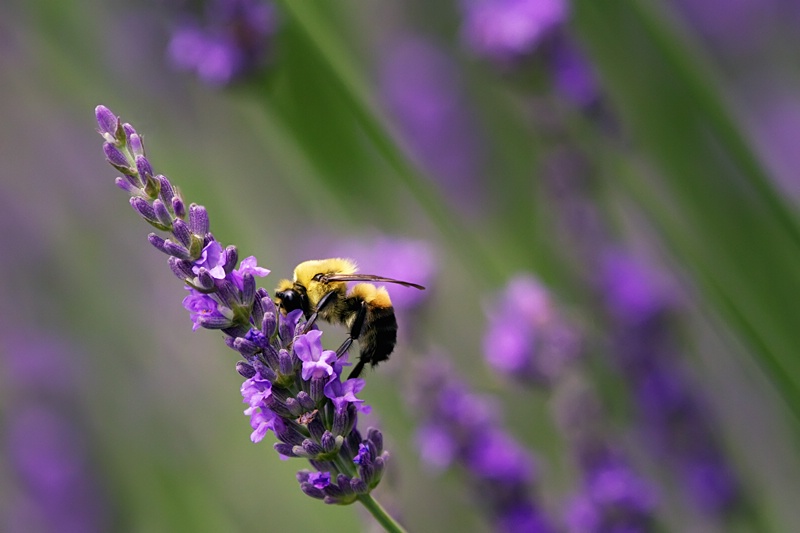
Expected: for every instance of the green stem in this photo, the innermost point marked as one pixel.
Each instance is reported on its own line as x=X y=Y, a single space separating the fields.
x=707 y=97
x=380 y=514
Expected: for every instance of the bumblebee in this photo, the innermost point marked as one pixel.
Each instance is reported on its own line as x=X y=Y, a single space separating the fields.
x=319 y=288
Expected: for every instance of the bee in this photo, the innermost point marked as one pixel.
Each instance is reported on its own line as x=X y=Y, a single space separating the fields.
x=319 y=288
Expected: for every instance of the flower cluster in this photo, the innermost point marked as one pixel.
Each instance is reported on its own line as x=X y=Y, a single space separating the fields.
x=293 y=387
x=529 y=340
x=463 y=428
x=230 y=40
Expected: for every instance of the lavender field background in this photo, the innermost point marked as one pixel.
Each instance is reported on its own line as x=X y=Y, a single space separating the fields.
x=600 y=197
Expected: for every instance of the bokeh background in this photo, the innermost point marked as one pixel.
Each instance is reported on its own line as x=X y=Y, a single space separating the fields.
x=635 y=157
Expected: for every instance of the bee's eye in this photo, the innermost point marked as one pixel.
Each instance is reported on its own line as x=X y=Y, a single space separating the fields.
x=290 y=300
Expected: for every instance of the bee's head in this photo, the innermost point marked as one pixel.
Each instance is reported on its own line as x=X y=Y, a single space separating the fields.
x=290 y=296
x=312 y=275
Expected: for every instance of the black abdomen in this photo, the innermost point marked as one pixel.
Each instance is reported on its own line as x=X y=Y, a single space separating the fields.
x=379 y=336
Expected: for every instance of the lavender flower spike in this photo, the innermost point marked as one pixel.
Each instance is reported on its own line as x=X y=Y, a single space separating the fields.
x=462 y=428
x=293 y=387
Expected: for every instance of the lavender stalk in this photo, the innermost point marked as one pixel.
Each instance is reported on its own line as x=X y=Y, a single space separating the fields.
x=293 y=386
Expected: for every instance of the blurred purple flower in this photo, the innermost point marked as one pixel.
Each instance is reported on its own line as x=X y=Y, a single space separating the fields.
x=526 y=338
x=673 y=415
x=506 y=30
x=613 y=498
x=499 y=469
x=230 y=40
x=573 y=75
x=633 y=293
x=422 y=89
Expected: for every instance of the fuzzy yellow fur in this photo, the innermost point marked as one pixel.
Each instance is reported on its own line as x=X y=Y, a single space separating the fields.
x=376 y=296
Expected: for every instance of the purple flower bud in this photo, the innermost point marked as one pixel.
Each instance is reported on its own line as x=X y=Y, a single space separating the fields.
x=287 y=325
x=198 y=219
x=265 y=371
x=143 y=168
x=329 y=442
x=126 y=185
x=344 y=420
x=272 y=358
x=245 y=370
x=204 y=280
x=166 y=192
x=245 y=347
x=285 y=363
x=367 y=473
x=287 y=431
x=309 y=489
x=181 y=268
x=214 y=322
x=315 y=426
x=359 y=486
x=178 y=207
x=294 y=407
x=248 y=289
x=376 y=438
x=306 y=401
x=135 y=145
x=279 y=407
x=117 y=158
x=145 y=210
x=317 y=388
x=128 y=130
x=181 y=232
x=231 y=258
x=168 y=247
x=284 y=449
x=162 y=214
x=379 y=466
x=312 y=448
x=364 y=456
x=343 y=483
x=227 y=293
x=269 y=323
x=107 y=122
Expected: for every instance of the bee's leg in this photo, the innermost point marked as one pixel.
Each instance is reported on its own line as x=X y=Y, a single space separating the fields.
x=357 y=369
x=323 y=302
x=355 y=333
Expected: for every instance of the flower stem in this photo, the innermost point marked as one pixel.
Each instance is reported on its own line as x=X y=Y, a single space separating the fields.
x=380 y=514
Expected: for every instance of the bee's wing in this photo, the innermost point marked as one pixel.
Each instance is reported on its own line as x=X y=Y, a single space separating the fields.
x=370 y=277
